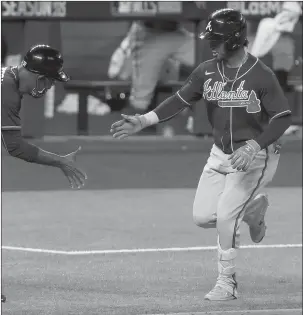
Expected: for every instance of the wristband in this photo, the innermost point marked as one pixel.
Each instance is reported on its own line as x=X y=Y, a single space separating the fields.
x=149 y=119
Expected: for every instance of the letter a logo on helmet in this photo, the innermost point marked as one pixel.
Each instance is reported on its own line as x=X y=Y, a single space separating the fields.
x=226 y=26
x=208 y=27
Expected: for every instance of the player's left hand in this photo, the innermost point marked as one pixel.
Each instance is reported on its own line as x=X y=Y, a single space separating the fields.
x=242 y=158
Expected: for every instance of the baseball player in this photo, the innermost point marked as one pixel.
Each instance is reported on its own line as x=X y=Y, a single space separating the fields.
x=248 y=113
x=40 y=68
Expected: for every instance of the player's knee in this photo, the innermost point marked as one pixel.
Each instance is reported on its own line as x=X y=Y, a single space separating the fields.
x=203 y=214
x=204 y=221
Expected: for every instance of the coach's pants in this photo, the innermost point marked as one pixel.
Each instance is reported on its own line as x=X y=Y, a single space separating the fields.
x=224 y=194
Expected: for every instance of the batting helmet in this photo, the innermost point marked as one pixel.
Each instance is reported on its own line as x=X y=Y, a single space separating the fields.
x=47 y=61
x=228 y=26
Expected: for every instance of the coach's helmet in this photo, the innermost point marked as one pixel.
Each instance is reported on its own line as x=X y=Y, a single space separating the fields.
x=46 y=61
x=226 y=26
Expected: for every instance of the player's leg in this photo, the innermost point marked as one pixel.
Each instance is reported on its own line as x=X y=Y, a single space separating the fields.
x=240 y=189
x=226 y=285
x=255 y=217
x=210 y=188
x=209 y=191
x=255 y=210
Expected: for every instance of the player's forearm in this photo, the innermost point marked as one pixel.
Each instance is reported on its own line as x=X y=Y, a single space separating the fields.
x=167 y=110
x=21 y=149
x=48 y=158
x=274 y=131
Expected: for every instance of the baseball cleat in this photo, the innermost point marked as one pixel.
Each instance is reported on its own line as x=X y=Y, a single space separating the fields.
x=258 y=228
x=220 y=294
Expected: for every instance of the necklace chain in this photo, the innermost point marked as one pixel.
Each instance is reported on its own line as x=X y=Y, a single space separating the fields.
x=225 y=78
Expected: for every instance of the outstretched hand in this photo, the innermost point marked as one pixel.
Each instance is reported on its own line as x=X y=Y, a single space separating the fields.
x=75 y=175
x=129 y=125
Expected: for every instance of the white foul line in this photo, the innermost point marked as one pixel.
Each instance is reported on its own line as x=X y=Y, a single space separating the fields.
x=297 y=311
x=140 y=250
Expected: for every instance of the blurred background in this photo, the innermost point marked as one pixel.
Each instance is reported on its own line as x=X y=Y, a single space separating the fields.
x=103 y=43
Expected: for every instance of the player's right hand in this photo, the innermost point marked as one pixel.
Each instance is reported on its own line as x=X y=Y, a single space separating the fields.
x=129 y=125
x=75 y=176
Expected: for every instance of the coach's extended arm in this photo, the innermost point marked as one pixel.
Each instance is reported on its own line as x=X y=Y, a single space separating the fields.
x=17 y=147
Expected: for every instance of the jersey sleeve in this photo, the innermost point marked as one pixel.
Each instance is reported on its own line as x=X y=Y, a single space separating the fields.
x=273 y=99
x=192 y=91
x=10 y=120
x=10 y=102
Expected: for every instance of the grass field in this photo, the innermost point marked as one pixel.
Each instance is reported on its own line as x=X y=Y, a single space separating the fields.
x=138 y=282
x=133 y=251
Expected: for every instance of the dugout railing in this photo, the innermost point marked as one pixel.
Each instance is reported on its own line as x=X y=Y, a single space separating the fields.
x=108 y=11
x=86 y=88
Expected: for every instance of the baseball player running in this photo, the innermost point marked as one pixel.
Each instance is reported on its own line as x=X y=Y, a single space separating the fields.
x=41 y=67
x=248 y=113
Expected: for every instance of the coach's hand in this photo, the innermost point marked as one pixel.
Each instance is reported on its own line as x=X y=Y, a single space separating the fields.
x=242 y=158
x=75 y=176
x=128 y=126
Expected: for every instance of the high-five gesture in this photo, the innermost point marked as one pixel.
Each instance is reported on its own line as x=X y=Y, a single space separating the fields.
x=75 y=176
x=129 y=125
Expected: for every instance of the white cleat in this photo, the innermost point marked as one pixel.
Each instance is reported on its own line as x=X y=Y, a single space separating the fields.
x=223 y=291
x=220 y=294
x=257 y=227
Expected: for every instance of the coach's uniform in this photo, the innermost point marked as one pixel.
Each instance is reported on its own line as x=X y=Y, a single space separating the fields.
x=11 y=137
x=10 y=99
x=10 y=117
x=238 y=111
x=10 y=114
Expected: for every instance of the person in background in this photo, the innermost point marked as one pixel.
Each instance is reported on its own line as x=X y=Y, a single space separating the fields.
x=121 y=67
x=151 y=52
x=124 y=58
x=148 y=48
x=274 y=36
